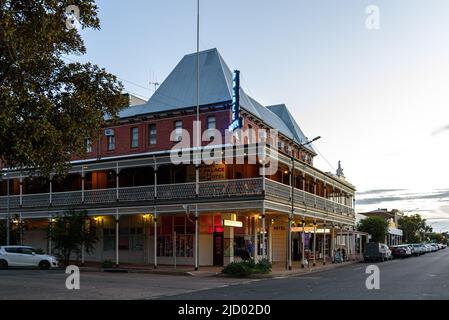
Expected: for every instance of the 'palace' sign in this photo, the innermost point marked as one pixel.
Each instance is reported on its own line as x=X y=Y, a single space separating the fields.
x=237 y=121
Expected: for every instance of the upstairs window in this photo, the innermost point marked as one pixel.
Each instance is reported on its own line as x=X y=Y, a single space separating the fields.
x=134 y=137
x=88 y=144
x=178 y=130
x=152 y=134
x=211 y=122
x=111 y=142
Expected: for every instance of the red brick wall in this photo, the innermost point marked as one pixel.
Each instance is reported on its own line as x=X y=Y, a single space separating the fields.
x=164 y=127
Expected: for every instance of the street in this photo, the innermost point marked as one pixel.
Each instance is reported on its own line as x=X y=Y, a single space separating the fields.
x=424 y=277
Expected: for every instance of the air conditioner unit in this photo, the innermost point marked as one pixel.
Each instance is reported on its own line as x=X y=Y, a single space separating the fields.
x=109 y=132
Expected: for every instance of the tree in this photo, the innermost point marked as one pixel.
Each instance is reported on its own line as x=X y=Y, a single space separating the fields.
x=414 y=228
x=16 y=228
x=49 y=107
x=377 y=227
x=72 y=231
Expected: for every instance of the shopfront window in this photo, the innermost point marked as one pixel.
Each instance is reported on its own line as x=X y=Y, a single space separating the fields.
x=176 y=233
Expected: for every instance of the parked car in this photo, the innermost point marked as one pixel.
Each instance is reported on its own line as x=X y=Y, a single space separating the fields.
x=418 y=249
x=23 y=256
x=428 y=247
x=400 y=251
x=376 y=251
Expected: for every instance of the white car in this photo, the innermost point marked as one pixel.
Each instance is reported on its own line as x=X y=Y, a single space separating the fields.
x=22 y=256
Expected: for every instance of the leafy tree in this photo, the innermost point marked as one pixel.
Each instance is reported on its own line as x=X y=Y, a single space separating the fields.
x=49 y=107
x=377 y=227
x=414 y=228
x=436 y=237
x=15 y=231
x=70 y=232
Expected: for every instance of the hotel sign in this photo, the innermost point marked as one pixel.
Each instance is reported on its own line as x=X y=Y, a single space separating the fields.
x=236 y=120
x=232 y=223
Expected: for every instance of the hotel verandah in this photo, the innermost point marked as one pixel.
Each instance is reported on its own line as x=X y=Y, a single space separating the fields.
x=140 y=199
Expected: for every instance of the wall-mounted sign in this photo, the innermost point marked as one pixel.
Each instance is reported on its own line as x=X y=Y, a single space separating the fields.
x=231 y=223
x=207 y=173
x=236 y=120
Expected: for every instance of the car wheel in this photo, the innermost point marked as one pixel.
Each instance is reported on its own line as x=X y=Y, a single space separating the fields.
x=44 y=265
x=3 y=264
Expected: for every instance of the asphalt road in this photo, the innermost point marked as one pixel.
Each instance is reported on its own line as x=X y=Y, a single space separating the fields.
x=425 y=277
x=50 y=285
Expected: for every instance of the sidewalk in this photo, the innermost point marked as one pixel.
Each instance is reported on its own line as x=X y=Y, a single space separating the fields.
x=278 y=270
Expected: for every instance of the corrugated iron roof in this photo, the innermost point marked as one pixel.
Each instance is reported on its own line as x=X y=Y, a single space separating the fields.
x=178 y=91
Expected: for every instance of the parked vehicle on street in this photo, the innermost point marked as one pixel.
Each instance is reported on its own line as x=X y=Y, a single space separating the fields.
x=376 y=251
x=418 y=249
x=23 y=256
x=400 y=252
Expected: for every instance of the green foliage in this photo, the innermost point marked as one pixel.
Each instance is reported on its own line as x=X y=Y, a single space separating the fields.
x=377 y=227
x=414 y=228
x=106 y=264
x=48 y=106
x=40 y=251
x=264 y=266
x=70 y=232
x=15 y=231
x=247 y=268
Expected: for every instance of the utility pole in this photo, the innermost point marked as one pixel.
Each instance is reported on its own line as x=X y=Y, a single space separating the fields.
x=8 y=233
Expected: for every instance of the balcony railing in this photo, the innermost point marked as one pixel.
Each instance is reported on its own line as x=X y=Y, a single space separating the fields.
x=281 y=192
x=225 y=189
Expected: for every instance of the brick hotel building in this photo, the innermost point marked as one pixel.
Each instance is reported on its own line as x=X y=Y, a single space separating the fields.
x=151 y=211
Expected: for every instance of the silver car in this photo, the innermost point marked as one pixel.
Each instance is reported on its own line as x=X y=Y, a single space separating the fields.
x=23 y=256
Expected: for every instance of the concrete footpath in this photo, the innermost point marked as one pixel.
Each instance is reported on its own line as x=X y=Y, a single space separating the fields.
x=278 y=270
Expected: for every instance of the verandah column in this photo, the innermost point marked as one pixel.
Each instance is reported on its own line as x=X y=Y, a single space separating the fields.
x=303 y=225
x=197 y=242
x=314 y=243
x=117 y=240
x=324 y=243
x=155 y=239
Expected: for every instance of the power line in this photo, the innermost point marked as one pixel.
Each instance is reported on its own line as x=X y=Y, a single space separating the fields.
x=325 y=159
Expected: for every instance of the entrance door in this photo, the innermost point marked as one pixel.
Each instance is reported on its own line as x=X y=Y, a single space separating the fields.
x=296 y=250
x=218 y=248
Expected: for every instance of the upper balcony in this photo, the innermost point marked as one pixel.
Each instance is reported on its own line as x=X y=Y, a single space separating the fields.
x=225 y=190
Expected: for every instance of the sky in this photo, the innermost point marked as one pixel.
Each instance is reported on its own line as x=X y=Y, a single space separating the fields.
x=378 y=98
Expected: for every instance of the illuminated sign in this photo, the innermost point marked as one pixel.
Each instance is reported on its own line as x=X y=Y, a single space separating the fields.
x=231 y=223
x=236 y=121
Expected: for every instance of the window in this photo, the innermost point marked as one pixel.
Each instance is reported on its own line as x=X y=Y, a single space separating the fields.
x=211 y=122
x=88 y=144
x=152 y=134
x=111 y=142
x=178 y=130
x=250 y=134
x=210 y=127
x=134 y=137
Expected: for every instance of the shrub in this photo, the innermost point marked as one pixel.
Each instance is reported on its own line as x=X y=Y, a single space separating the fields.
x=107 y=264
x=264 y=266
x=246 y=268
x=239 y=269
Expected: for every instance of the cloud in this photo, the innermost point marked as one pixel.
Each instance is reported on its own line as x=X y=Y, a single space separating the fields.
x=392 y=195
x=378 y=191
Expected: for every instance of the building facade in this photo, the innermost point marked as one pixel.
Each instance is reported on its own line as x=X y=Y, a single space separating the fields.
x=394 y=236
x=149 y=209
